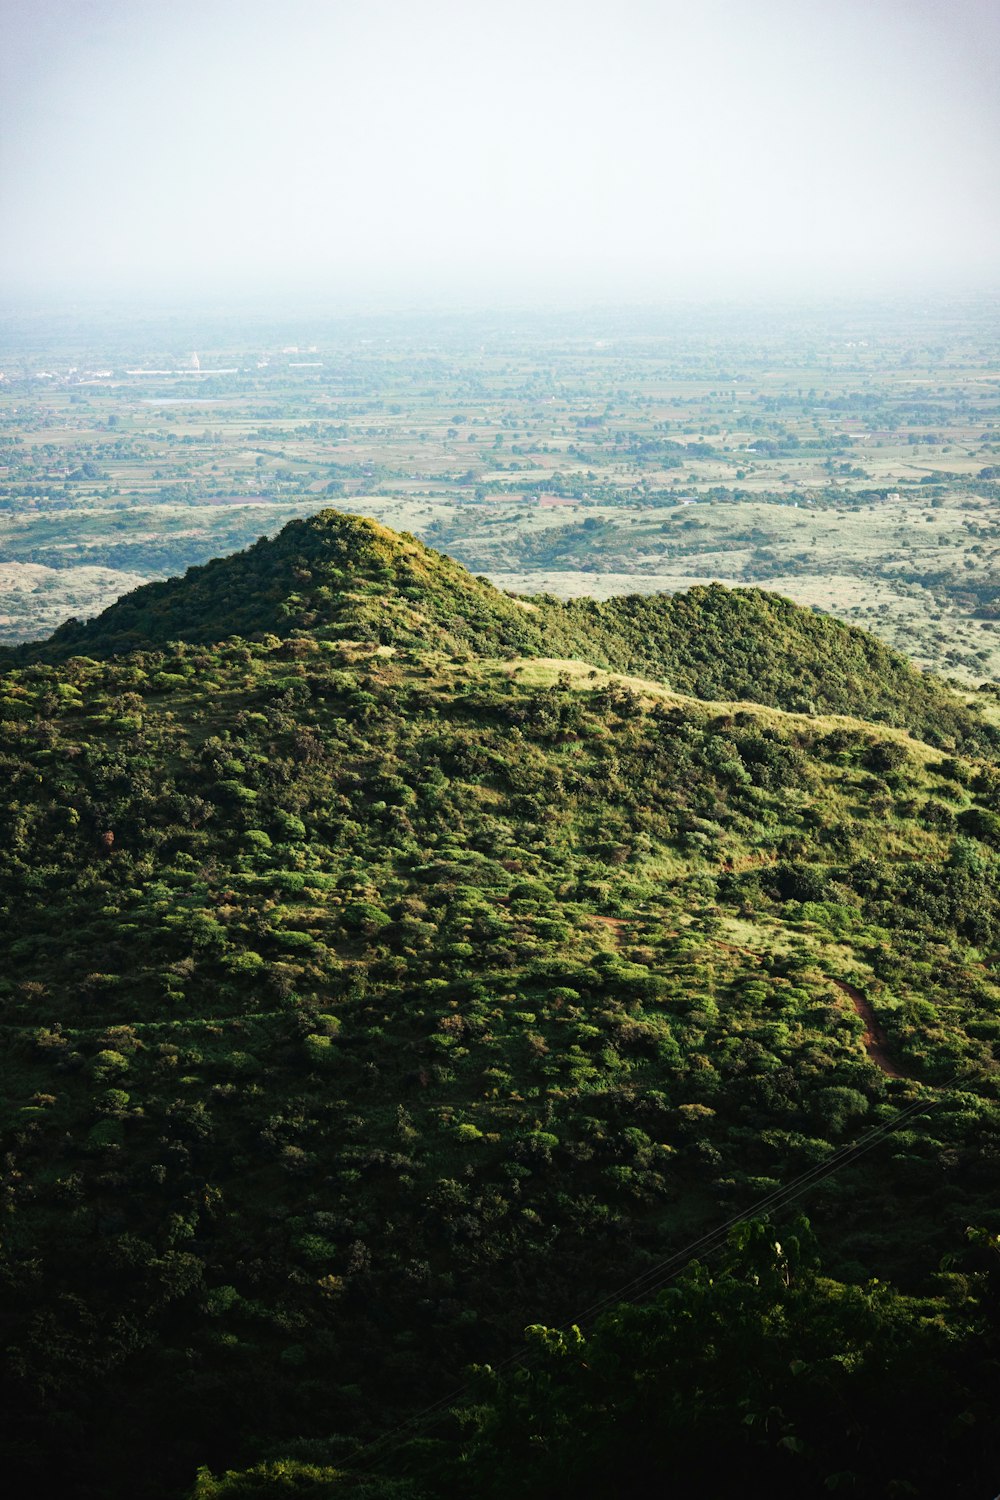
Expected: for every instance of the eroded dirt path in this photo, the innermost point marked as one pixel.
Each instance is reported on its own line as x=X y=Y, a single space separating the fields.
x=874 y=1038
x=617 y=924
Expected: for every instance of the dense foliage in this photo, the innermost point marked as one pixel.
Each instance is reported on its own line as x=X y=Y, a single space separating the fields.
x=367 y=1000
x=340 y=576
x=758 y=1376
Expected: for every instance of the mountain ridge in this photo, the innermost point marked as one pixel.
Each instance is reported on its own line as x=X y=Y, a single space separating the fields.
x=364 y=1001
x=342 y=577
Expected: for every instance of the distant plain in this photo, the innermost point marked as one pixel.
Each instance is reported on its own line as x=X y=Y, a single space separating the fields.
x=844 y=457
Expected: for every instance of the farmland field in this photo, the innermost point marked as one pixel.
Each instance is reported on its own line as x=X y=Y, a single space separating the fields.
x=845 y=458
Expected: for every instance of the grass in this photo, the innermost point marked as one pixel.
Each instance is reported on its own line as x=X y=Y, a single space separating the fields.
x=582 y=677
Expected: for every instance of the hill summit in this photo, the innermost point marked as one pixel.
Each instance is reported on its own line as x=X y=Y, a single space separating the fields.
x=380 y=978
x=344 y=577
x=339 y=576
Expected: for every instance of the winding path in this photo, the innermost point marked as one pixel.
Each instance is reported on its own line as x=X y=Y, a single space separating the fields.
x=874 y=1038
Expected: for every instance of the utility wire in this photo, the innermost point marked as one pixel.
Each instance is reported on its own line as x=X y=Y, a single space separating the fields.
x=774 y=1199
x=667 y=1269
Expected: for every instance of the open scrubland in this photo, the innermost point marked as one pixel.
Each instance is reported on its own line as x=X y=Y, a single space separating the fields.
x=522 y=1015
x=389 y=967
x=847 y=459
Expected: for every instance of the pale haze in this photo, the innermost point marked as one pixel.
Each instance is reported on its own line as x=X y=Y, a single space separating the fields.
x=432 y=149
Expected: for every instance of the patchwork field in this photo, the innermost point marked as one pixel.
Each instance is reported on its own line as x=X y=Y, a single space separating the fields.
x=845 y=459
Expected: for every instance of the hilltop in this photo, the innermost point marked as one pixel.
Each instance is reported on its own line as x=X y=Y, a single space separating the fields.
x=339 y=577
x=387 y=964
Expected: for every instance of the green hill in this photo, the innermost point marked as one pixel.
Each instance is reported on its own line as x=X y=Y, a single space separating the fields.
x=423 y=969
x=341 y=577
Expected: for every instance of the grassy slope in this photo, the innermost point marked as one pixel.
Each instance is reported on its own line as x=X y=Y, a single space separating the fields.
x=341 y=576
x=334 y=1062
x=420 y=994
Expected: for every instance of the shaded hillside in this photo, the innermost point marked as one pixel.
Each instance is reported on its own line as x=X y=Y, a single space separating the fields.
x=748 y=644
x=360 y=1010
x=342 y=577
x=337 y=575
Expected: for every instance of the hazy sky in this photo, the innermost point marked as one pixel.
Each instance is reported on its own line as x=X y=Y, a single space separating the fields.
x=628 y=150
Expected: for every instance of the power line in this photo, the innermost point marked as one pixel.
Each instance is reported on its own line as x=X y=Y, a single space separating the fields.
x=776 y=1199
x=665 y=1270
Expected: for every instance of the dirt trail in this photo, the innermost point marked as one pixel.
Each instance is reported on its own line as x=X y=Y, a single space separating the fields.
x=734 y=948
x=874 y=1038
x=617 y=924
x=622 y=928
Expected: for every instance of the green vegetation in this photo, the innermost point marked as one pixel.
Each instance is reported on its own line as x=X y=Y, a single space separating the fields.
x=763 y=1375
x=342 y=577
x=760 y=1373
x=846 y=458
x=389 y=965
